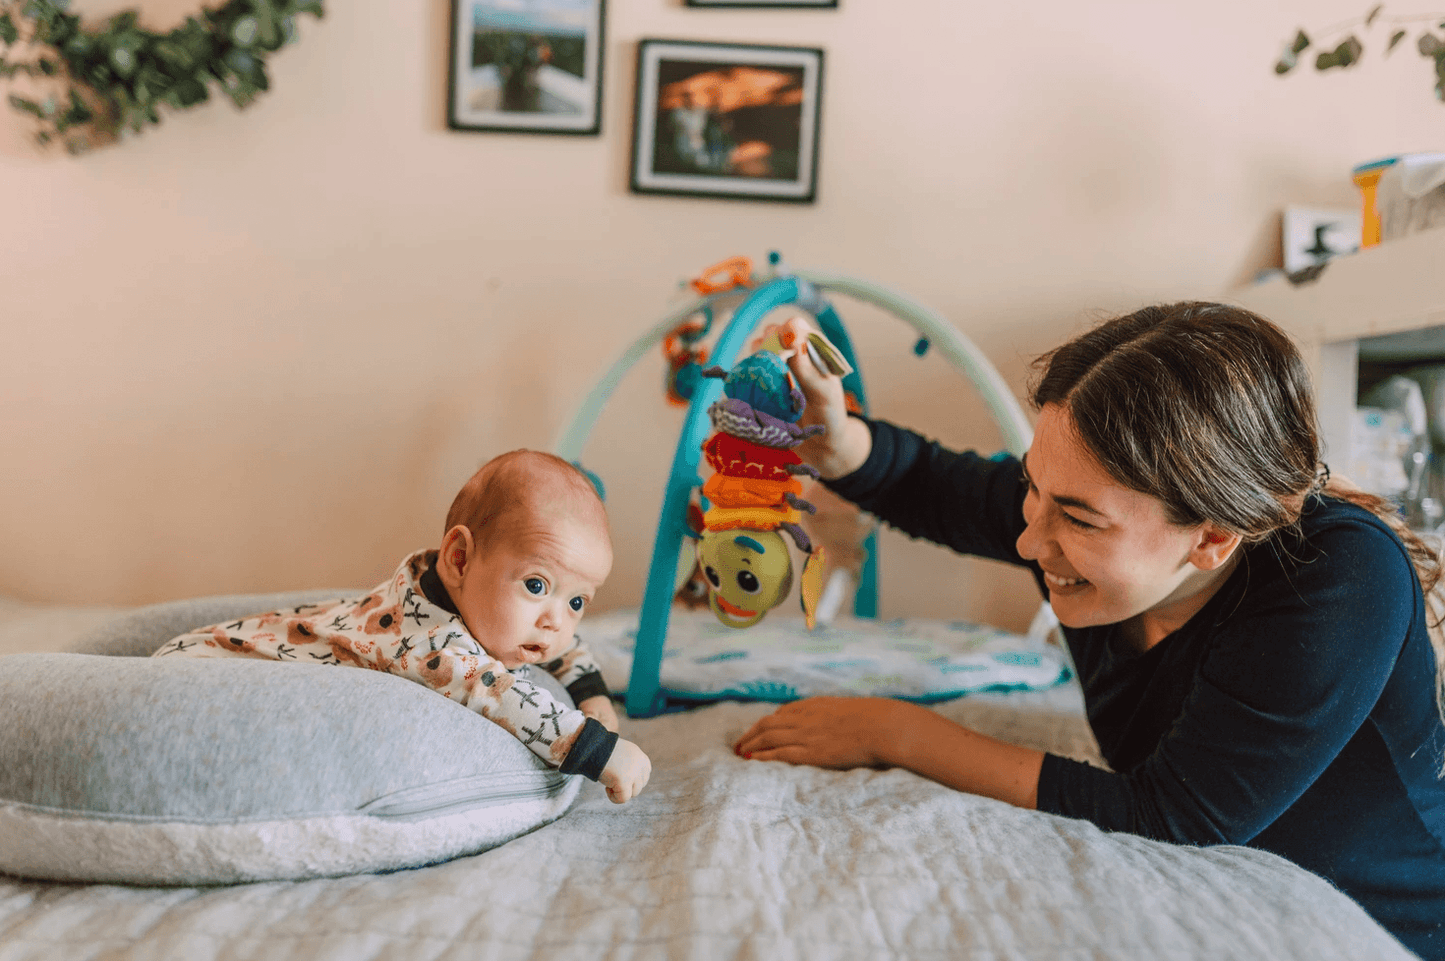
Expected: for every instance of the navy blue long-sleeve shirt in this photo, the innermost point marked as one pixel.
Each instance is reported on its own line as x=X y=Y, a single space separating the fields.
x=1295 y=712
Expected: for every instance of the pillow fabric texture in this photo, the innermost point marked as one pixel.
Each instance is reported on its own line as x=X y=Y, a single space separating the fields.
x=119 y=767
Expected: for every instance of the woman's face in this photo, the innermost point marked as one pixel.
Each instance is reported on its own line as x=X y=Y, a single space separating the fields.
x=1107 y=552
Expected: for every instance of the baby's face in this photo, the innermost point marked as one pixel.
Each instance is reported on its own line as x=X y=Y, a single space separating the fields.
x=523 y=596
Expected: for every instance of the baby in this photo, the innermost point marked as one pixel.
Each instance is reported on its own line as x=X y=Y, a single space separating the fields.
x=524 y=551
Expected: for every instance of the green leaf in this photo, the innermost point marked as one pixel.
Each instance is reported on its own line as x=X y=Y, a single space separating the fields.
x=1428 y=44
x=175 y=56
x=1346 y=53
x=1350 y=50
x=1375 y=12
x=266 y=20
x=1395 y=38
x=123 y=61
x=245 y=31
x=25 y=105
x=189 y=92
x=79 y=111
x=1300 y=43
x=8 y=31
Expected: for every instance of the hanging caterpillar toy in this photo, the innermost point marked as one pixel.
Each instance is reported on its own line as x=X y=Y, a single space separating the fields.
x=754 y=494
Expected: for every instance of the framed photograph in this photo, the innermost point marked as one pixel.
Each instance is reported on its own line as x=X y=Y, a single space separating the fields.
x=727 y=120
x=809 y=4
x=531 y=66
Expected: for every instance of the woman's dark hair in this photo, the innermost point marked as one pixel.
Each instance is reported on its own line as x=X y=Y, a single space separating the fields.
x=1208 y=408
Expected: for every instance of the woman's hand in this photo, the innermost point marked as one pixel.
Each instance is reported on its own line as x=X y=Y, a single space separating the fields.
x=835 y=732
x=845 y=444
x=849 y=732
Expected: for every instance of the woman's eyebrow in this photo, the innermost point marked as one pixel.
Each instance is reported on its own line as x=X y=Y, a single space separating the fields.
x=1065 y=500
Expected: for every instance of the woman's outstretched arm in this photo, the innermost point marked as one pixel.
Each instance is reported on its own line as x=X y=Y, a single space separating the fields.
x=849 y=732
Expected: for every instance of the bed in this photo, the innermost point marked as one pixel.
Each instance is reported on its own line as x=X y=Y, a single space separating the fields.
x=722 y=858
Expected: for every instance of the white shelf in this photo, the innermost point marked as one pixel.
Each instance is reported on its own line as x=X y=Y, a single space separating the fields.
x=1398 y=285
x=1396 y=288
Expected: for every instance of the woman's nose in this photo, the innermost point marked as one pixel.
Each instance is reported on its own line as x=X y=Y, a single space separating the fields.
x=1033 y=542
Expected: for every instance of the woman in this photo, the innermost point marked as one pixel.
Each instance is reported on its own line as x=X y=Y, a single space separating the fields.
x=1251 y=638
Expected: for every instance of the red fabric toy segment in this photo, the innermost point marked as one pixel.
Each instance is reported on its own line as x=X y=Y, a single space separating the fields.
x=739 y=458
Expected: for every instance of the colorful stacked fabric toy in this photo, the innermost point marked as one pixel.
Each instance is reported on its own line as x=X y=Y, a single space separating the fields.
x=753 y=496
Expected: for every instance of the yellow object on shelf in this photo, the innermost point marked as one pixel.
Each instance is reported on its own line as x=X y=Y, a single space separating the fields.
x=1367 y=178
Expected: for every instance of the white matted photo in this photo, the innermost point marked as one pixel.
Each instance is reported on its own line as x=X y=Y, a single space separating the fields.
x=532 y=66
x=1312 y=235
x=727 y=120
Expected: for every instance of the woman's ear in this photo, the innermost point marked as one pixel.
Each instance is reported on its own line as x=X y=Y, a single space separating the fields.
x=1213 y=547
x=458 y=551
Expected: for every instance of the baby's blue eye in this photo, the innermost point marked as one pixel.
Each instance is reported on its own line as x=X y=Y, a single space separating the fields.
x=577 y=603
x=535 y=585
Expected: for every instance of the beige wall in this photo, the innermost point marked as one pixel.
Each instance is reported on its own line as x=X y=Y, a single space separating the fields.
x=260 y=350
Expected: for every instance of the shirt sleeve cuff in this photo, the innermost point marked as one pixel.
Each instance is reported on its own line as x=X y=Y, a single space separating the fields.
x=1050 y=777
x=591 y=751
x=865 y=476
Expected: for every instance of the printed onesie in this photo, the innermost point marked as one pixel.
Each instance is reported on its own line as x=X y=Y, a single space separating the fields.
x=409 y=626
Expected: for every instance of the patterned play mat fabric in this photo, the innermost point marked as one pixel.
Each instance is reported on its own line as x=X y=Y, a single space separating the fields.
x=780 y=660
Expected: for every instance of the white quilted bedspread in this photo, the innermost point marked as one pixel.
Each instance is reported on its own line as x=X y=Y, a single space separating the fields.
x=722 y=858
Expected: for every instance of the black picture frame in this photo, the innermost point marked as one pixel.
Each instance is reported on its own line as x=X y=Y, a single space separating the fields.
x=776 y=4
x=727 y=120
x=526 y=66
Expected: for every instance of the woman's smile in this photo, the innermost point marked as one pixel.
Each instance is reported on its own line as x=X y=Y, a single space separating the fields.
x=1063 y=585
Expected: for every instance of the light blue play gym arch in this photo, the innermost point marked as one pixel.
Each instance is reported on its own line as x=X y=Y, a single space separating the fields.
x=780 y=286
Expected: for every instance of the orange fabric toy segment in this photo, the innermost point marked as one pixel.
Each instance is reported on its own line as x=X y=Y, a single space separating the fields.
x=739 y=458
x=750 y=518
x=725 y=491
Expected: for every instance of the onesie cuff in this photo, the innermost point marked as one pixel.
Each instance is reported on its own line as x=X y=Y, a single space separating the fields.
x=591 y=751
x=588 y=685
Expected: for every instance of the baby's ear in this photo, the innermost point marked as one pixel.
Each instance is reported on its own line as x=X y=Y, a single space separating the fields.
x=456 y=553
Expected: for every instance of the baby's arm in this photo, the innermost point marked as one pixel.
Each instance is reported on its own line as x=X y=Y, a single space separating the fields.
x=563 y=737
x=578 y=673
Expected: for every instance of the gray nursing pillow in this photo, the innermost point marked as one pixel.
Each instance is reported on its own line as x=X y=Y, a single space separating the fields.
x=118 y=767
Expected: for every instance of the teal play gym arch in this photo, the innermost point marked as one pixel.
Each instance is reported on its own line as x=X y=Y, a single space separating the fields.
x=779 y=286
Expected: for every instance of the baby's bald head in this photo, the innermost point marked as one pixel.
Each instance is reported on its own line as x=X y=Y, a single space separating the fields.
x=521 y=490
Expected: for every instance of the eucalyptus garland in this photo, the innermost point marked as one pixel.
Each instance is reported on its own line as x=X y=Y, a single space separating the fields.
x=100 y=83
x=1342 y=46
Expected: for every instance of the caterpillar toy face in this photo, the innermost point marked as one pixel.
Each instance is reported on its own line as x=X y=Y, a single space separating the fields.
x=748 y=573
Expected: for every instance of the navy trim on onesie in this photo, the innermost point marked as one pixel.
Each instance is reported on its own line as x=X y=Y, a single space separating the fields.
x=591 y=751
x=435 y=590
x=588 y=685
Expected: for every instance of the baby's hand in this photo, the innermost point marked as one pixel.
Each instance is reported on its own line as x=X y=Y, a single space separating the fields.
x=600 y=709
x=626 y=772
